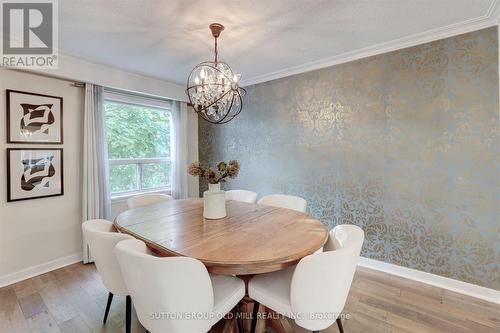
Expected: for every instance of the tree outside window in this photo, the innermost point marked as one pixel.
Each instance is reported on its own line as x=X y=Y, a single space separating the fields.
x=138 y=147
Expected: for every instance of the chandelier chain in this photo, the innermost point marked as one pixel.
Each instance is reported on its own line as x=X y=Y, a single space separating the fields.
x=213 y=88
x=216 y=52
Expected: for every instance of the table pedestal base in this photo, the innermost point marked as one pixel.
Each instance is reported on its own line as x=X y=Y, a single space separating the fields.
x=267 y=319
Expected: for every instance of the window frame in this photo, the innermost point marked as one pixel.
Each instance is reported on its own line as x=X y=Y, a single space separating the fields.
x=164 y=105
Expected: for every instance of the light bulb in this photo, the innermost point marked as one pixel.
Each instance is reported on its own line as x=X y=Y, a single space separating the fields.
x=235 y=78
x=202 y=73
x=197 y=80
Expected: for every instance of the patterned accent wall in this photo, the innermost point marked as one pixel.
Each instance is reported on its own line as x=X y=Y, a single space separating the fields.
x=404 y=145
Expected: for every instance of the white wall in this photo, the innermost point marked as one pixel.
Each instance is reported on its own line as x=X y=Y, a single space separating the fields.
x=37 y=231
x=42 y=234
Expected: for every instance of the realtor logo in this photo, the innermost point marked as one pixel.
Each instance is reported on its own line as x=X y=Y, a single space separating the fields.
x=29 y=34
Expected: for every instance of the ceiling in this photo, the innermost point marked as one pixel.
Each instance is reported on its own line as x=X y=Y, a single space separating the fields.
x=165 y=39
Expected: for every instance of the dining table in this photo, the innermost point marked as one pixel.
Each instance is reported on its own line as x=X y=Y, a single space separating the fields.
x=252 y=239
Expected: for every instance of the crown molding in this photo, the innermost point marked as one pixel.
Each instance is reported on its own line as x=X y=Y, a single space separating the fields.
x=494 y=11
x=117 y=78
x=490 y=18
x=71 y=67
x=74 y=68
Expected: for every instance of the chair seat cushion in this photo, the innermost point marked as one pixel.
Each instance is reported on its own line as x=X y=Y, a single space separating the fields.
x=228 y=291
x=273 y=290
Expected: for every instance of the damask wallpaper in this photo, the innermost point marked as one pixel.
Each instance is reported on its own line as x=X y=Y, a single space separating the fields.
x=403 y=144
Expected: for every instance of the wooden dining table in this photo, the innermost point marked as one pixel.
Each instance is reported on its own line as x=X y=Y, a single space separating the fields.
x=251 y=239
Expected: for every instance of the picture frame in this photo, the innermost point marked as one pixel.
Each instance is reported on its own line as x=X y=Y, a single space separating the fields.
x=34 y=173
x=34 y=118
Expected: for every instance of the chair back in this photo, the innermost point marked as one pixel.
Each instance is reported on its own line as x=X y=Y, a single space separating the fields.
x=241 y=195
x=102 y=237
x=166 y=291
x=284 y=201
x=147 y=199
x=345 y=236
x=321 y=281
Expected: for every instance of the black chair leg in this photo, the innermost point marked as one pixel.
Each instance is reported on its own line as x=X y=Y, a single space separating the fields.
x=239 y=321
x=128 y=313
x=339 y=324
x=254 y=316
x=108 y=305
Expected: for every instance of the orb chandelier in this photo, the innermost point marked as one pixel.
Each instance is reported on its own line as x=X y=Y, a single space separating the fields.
x=213 y=89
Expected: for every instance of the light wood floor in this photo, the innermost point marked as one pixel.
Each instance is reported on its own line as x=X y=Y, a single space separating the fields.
x=72 y=299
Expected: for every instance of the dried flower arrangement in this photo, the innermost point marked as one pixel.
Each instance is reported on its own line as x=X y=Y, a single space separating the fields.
x=220 y=173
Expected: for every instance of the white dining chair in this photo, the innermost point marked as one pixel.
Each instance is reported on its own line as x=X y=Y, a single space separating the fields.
x=318 y=285
x=101 y=237
x=147 y=199
x=164 y=287
x=284 y=201
x=241 y=195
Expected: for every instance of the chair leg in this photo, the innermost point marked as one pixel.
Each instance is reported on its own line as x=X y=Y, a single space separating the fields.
x=128 y=313
x=239 y=321
x=339 y=324
x=254 y=316
x=108 y=305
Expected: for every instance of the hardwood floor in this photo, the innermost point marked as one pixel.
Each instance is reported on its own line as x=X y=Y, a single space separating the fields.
x=72 y=299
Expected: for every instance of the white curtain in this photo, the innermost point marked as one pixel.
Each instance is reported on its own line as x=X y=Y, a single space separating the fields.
x=179 y=150
x=96 y=202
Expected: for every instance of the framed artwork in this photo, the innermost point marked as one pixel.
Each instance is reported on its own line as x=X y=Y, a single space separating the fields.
x=34 y=118
x=34 y=173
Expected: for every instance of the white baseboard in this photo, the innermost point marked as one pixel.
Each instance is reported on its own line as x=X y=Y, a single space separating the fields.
x=461 y=287
x=30 y=272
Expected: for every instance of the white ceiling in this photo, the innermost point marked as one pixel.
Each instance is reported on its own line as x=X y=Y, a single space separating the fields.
x=165 y=39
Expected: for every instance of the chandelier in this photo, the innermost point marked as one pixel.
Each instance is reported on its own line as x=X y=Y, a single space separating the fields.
x=213 y=89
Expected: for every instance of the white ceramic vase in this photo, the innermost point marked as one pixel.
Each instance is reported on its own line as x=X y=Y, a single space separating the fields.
x=214 y=202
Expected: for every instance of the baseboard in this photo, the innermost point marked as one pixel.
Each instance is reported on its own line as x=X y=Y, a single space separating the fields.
x=461 y=287
x=30 y=272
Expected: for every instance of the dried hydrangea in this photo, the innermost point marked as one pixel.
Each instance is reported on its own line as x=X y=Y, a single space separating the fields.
x=195 y=169
x=212 y=175
x=221 y=166
x=216 y=174
x=233 y=169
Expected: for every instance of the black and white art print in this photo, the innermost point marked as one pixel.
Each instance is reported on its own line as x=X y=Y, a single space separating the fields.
x=34 y=173
x=34 y=118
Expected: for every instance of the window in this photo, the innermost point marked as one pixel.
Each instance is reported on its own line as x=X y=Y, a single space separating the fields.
x=138 y=133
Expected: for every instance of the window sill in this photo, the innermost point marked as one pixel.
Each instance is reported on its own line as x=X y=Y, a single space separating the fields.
x=125 y=196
